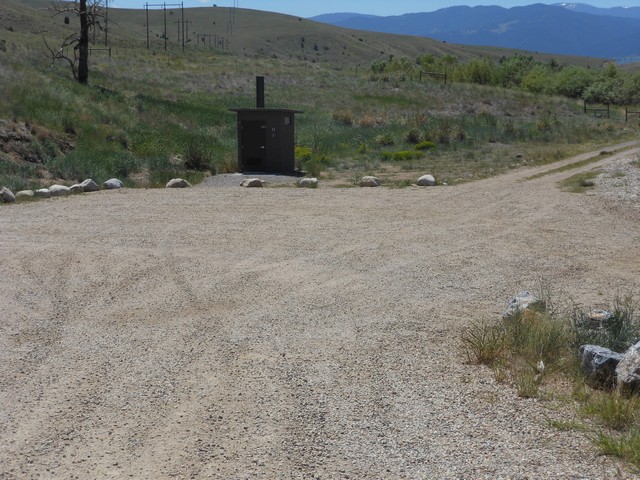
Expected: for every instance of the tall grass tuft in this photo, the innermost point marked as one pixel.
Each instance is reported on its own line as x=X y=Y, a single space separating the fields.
x=625 y=446
x=615 y=410
x=483 y=342
x=617 y=333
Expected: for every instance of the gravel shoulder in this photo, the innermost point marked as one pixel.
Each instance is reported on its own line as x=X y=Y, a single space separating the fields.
x=284 y=333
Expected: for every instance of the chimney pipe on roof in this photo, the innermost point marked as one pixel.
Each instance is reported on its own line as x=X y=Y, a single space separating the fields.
x=259 y=92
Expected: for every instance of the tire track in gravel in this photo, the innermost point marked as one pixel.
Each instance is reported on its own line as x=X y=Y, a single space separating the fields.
x=287 y=333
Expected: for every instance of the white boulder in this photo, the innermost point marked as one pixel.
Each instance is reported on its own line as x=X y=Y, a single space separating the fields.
x=370 y=181
x=59 y=190
x=178 y=183
x=42 y=193
x=25 y=195
x=628 y=370
x=252 y=182
x=7 y=195
x=426 y=181
x=308 y=182
x=521 y=302
x=89 y=185
x=112 y=184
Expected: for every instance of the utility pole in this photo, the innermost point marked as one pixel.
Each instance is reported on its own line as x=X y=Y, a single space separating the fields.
x=106 y=21
x=164 y=10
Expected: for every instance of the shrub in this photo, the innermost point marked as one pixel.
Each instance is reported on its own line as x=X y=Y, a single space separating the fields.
x=368 y=121
x=402 y=155
x=197 y=157
x=413 y=136
x=302 y=153
x=538 y=336
x=343 y=117
x=425 y=145
x=316 y=164
x=384 y=139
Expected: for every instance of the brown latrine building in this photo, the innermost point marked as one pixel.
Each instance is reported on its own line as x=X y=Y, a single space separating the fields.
x=266 y=137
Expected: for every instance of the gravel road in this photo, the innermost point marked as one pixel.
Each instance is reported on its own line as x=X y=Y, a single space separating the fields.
x=287 y=333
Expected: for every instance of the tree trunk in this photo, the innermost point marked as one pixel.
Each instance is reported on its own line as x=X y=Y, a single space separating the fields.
x=83 y=44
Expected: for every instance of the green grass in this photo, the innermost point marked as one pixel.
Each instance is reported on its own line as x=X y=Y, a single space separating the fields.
x=147 y=110
x=614 y=410
x=580 y=182
x=568 y=425
x=484 y=343
x=536 y=352
x=625 y=446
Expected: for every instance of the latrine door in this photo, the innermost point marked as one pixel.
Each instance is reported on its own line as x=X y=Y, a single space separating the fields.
x=254 y=145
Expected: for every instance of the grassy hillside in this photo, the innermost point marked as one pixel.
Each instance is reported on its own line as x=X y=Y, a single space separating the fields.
x=147 y=114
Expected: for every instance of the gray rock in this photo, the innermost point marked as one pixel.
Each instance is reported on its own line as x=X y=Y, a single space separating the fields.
x=370 y=181
x=178 y=183
x=308 y=182
x=77 y=188
x=25 y=195
x=42 y=193
x=112 y=184
x=7 y=195
x=252 y=182
x=426 y=181
x=59 y=190
x=522 y=301
x=628 y=370
x=595 y=319
x=599 y=365
x=89 y=185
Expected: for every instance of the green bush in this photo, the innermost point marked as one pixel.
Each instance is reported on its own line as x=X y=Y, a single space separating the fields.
x=404 y=155
x=384 y=139
x=197 y=157
x=425 y=145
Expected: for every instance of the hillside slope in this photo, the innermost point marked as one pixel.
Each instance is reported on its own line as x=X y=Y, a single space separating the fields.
x=239 y=32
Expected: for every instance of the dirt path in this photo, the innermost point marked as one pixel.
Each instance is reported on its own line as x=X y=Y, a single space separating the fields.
x=290 y=333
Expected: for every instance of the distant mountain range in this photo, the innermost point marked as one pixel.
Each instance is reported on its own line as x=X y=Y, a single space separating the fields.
x=563 y=28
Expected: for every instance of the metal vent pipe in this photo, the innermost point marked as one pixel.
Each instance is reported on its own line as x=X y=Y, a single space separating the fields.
x=259 y=92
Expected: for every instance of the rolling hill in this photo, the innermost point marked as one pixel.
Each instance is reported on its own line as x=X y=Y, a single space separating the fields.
x=248 y=33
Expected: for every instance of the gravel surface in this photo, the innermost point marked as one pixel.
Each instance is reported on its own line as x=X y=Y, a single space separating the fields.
x=284 y=333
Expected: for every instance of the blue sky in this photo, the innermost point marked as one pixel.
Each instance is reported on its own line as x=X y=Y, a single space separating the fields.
x=309 y=8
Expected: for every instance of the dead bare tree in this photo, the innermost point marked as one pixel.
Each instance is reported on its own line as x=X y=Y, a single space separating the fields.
x=91 y=13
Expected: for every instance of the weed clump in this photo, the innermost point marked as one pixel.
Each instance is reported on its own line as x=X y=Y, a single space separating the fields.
x=425 y=145
x=197 y=157
x=384 y=139
x=404 y=155
x=342 y=117
x=536 y=344
x=617 y=331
